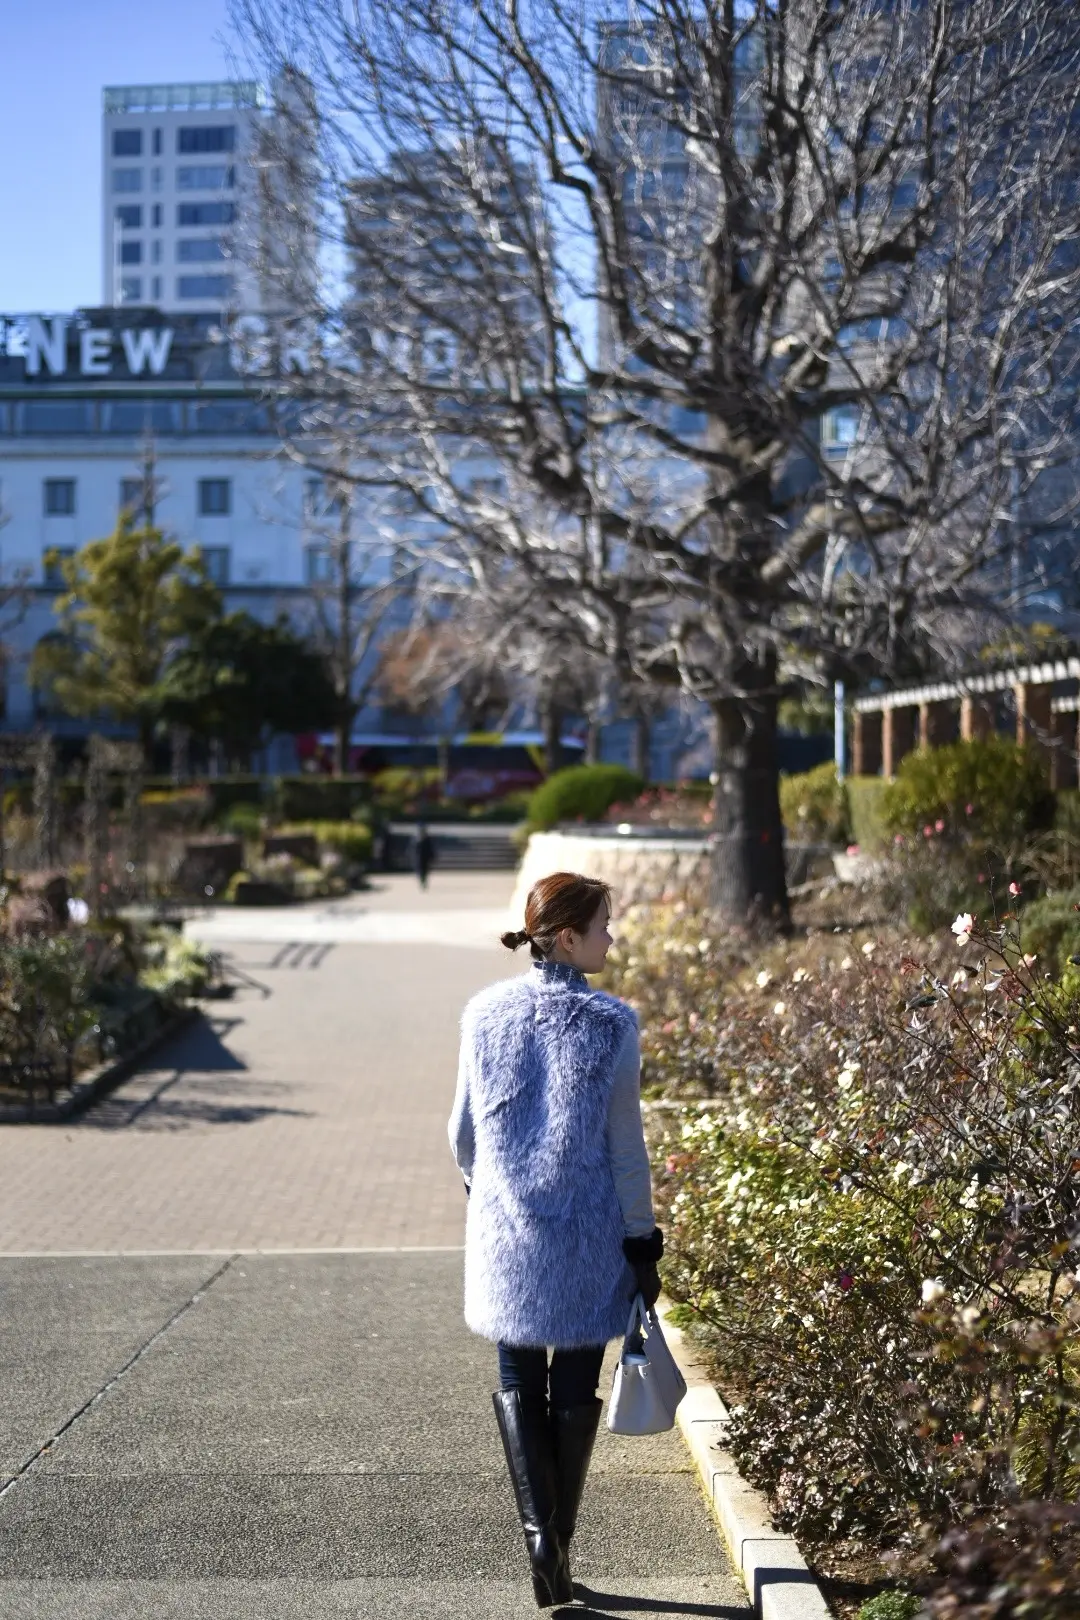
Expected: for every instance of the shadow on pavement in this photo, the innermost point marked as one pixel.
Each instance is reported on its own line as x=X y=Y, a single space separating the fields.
x=192 y=1062
x=600 y=1605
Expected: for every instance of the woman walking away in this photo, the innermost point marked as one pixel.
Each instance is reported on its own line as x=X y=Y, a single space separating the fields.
x=560 y=1234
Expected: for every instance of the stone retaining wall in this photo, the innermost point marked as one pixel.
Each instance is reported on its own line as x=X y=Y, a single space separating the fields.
x=637 y=868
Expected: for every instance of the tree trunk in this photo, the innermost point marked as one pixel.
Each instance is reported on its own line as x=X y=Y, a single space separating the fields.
x=551 y=724
x=592 y=741
x=639 y=745
x=748 y=883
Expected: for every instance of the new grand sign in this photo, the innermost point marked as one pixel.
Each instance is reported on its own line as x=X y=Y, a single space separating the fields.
x=121 y=345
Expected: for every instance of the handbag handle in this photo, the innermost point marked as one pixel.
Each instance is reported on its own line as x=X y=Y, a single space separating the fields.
x=638 y=1318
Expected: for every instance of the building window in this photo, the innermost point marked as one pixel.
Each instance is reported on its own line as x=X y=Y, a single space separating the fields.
x=318 y=502
x=205 y=213
x=127 y=143
x=58 y=416
x=216 y=562
x=157 y=143
x=129 y=216
x=155 y=251
x=203 y=286
x=59 y=497
x=199 y=249
x=215 y=497
x=156 y=217
x=840 y=427
x=130 y=289
x=52 y=566
x=318 y=565
x=133 y=497
x=127 y=179
x=156 y=287
x=205 y=177
x=135 y=416
x=155 y=178
x=206 y=138
x=131 y=253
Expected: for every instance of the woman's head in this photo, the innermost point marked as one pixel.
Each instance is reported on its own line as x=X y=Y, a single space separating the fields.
x=566 y=918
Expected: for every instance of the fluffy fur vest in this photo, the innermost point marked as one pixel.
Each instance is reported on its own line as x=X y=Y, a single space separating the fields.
x=543 y=1243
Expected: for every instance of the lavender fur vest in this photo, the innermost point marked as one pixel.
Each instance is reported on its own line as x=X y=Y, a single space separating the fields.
x=543 y=1242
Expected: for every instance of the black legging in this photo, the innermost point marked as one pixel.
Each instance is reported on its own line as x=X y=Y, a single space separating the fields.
x=574 y=1374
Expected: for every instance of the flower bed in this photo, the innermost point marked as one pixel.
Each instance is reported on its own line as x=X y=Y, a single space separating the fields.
x=868 y=1156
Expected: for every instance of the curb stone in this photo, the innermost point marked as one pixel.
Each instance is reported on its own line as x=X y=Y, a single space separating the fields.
x=769 y=1563
x=96 y=1082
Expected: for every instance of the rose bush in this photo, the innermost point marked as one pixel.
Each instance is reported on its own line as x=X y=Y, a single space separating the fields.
x=868 y=1158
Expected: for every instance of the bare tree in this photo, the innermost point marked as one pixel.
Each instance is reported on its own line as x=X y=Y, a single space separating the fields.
x=354 y=588
x=762 y=313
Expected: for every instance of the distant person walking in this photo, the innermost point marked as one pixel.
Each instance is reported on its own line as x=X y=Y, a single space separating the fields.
x=423 y=853
x=560 y=1234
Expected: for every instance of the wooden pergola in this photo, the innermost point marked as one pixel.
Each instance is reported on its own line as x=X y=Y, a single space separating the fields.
x=1038 y=703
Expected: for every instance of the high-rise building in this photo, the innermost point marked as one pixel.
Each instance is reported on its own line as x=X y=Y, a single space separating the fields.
x=176 y=180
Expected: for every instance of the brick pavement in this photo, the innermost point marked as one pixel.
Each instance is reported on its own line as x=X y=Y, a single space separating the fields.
x=310 y=1117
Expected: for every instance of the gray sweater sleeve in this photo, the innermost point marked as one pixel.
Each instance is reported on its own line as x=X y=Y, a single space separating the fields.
x=626 y=1141
x=460 y=1128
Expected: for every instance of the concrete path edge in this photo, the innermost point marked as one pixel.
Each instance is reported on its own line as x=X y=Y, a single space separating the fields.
x=95 y=1083
x=769 y=1563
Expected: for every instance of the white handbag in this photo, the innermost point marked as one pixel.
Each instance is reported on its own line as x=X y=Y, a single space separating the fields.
x=648 y=1385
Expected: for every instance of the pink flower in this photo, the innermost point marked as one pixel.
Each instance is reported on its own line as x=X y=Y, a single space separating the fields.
x=671 y=1164
x=1014 y=888
x=928 y=831
x=957 y=1439
x=939 y=826
x=853 y=849
x=846 y=1281
x=898 y=838
x=969 y=809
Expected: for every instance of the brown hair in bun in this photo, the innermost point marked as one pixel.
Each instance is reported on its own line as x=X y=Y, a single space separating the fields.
x=563 y=900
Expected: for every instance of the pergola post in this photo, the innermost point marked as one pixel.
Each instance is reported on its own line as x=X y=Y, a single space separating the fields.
x=866 y=743
x=976 y=719
x=933 y=724
x=897 y=737
x=1065 y=747
x=1034 y=717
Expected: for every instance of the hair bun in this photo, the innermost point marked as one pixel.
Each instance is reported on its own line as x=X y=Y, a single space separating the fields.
x=514 y=938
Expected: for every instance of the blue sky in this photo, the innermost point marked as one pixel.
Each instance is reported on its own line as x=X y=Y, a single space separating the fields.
x=56 y=57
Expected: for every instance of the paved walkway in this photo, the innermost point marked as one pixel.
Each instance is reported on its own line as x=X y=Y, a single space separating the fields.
x=234 y=1378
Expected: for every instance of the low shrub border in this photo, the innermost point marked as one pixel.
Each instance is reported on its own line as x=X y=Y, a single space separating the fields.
x=767 y=1561
x=98 y=1082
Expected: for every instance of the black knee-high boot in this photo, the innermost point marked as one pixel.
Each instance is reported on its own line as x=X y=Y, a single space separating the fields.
x=573 y=1430
x=526 y=1438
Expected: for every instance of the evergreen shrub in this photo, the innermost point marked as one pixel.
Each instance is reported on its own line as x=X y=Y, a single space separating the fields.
x=990 y=790
x=814 y=806
x=349 y=839
x=1050 y=930
x=582 y=793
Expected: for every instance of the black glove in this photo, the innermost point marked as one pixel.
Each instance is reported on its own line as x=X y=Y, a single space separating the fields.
x=648 y=1282
x=643 y=1253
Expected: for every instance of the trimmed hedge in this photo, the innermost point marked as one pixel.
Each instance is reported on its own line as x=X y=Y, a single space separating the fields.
x=866 y=809
x=582 y=793
x=320 y=798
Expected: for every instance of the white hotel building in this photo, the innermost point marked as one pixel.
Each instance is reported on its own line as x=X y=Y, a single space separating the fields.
x=81 y=398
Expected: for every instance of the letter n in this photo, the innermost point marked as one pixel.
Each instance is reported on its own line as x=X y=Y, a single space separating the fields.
x=50 y=347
